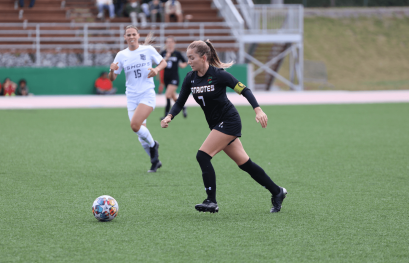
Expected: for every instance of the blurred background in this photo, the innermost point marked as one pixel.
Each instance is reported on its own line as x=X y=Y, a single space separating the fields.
x=61 y=47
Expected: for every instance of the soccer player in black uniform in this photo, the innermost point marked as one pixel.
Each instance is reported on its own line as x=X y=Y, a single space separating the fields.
x=171 y=73
x=207 y=82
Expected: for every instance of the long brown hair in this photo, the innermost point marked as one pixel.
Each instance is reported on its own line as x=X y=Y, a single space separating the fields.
x=206 y=48
x=148 y=39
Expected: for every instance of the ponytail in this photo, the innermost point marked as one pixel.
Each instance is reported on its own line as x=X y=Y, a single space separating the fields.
x=149 y=39
x=206 y=48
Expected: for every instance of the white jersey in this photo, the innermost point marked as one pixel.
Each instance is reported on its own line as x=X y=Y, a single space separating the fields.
x=135 y=64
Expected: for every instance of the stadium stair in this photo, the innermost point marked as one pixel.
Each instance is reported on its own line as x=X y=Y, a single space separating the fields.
x=65 y=32
x=264 y=52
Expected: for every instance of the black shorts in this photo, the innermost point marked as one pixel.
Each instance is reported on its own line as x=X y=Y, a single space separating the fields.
x=174 y=80
x=230 y=126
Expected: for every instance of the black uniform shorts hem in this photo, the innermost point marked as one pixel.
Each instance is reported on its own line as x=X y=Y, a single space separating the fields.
x=172 y=81
x=231 y=126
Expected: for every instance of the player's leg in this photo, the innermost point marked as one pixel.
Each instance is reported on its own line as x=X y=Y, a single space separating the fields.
x=170 y=89
x=214 y=143
x=171 y=93
x=145 y=145
x=166 y=82
x=175 y=97
x=141 y=113
x=145 y=106
x=237 y=153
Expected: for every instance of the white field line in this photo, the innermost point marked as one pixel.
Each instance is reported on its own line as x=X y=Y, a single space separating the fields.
x=263 y=98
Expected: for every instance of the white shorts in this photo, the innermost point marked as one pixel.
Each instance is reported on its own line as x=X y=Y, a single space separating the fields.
x=147 y=98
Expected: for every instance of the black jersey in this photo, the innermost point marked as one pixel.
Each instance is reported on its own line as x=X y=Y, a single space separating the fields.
x=173 y=62
x=209 y=92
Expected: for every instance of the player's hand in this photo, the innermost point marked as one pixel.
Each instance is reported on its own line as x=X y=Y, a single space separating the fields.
x=153 y=72
x=165 y=122
x=114 y=66
x=261 y=117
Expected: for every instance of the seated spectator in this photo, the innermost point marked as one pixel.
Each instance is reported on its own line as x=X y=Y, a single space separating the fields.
x=134 y=11
x=9 y=87
x=156 y=9
x=21 y=3
x=119 y=7
x=22 y=89
x=173 y=7
x=145 y=7
x=108 y=4
x=103 y=85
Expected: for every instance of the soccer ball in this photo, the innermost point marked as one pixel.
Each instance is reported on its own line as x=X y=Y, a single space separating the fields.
x=105 y=208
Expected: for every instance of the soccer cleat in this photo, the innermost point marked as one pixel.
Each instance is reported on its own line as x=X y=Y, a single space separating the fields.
x=184 y=112
x=207 y=206
x=155 y=166
x=154 y=153
x=278 y=200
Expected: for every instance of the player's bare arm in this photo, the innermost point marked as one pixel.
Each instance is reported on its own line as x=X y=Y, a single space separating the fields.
x=114 y=66
x=154 y=71
x=183 y=65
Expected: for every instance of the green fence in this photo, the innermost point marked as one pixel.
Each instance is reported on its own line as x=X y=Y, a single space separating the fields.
x=80 y=80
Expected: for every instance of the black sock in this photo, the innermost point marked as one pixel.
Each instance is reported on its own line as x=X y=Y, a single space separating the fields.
x=167 y=108
x=258 y=174
x=208 y=174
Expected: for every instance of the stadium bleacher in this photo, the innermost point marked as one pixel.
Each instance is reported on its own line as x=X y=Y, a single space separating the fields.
x=60 y=26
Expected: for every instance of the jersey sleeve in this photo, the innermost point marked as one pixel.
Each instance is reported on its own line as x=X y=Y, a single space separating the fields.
x=181 y=58
x=156 y=57
x=120 y=63
x=183 y=95
x=231 y=82
x=163 y=53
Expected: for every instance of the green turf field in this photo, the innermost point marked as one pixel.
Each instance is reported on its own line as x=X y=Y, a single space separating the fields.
x=346 y=168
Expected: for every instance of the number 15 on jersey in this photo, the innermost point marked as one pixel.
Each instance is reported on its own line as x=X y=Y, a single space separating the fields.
x=138 y=73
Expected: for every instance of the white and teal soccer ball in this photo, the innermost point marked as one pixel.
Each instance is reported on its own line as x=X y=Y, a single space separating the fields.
x=105 y=208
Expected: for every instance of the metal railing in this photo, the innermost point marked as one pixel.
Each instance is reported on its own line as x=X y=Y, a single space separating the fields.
x=97 y=37
x=230 y=15
x=245 y=7
x=276 y=19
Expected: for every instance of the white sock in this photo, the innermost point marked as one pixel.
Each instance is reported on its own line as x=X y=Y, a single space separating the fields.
x=145 y=146
x=146 y=136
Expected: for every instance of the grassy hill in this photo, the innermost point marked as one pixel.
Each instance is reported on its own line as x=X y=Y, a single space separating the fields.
x=359 y=53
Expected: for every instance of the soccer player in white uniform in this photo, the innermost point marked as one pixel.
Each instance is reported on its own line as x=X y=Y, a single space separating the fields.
x=136 y=61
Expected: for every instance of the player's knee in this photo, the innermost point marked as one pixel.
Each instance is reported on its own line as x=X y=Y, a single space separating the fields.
x=202 y=157
x=135 y=126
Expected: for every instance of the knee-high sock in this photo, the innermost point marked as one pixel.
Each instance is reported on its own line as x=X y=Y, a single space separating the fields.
x=208 y=174
x=145 y=135
x=167 y=108
x=145 y=146
x=258 y=174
